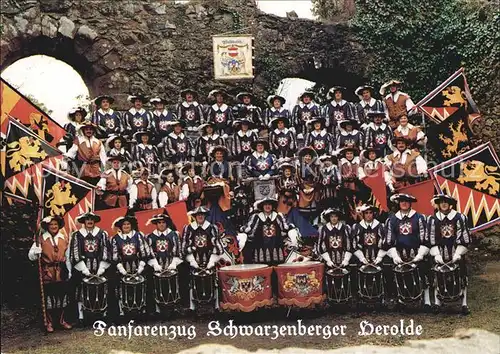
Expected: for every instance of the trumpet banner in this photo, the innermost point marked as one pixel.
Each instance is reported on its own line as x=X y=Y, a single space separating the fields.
x=15 y=104
x=473 y=178
x=300 y=284
x=233 y=57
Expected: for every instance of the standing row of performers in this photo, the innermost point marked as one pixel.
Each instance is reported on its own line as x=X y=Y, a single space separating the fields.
x=406 y=236
x=189 y=111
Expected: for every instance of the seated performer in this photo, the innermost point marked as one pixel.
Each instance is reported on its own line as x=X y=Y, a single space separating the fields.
x=89 y=253
x=275 y=109
x=145 y=154
x=52 y=247
x=329 y=181
x=191 y=186
x=206 y=141
x=88 y=154
x=337 y=109
x=406 y=239
x=366 y=104
x=115 y=184
x=162 y=118
x=170 y=191
x=116 y=145
x=377 y=134
x=415 y=136
x=318 y=138
x=241 y=144
x=269 y=236
x=75 y=116
x=396 y=102
x=308 y=176
x=449 y=237
x=335 y=243
x=303 y=112
x=137 y=118
x=143 y=192
x=369 y=163
x=368 y=236
x=282 y=139
x=189 y=111
x=107 y=120
x=177 y=147
x=220 y=114
x=349 y=135
x=247 y=110
x=261 y=163
x=404 y=166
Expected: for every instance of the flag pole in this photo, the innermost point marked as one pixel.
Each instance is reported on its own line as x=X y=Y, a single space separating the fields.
x=37 y=237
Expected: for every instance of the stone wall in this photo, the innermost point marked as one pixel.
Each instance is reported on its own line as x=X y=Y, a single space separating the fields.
x=159 y=47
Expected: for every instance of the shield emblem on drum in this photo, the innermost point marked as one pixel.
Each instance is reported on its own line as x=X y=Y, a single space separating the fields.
x=246 y=285
x=128 y=249
x=137 y=122
x=335 y=242
x=447 y=230
x=90 y=246
x=246 y=146
x=220 y=117
x=338 y=115
x=163 y=125
x=181 y=147
x=319 y=145
x=306 y=116
x=269 y=230
x=370 y=238
x=282 y=141
x=190 y=115
x=110 y=123
x=380 y=139
x=201 y=241
x=161 y=245
x=405 y=228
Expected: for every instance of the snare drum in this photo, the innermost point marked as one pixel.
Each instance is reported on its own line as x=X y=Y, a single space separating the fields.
x=300 y=284
x=408 y=282
x=370 y=282
x=95 y=294
x=245 y=287
x=166 y=287
x=448 y=282
x=338 y=285
x=133 y=293
x=203 y=286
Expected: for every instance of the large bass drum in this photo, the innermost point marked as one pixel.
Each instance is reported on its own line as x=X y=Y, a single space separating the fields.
x=133 y=293
x=166 y=288
x=370 y=283
x=203 y=286
x=95 y=294
x=338 y=285
x=408 y=282
x=448 y=282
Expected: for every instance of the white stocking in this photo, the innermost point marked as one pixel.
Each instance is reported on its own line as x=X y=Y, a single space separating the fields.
x=427 y=298
x=464 y=299
x=436 y=300
x=80 y=310
x=157 y=308
x=191 y=302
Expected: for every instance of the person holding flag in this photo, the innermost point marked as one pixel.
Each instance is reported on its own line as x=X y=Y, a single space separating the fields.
x=51 y=249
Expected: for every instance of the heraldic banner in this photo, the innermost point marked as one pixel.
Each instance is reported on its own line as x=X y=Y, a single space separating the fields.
x=447 y=98
x=66 y=196
x=13 y=103
x=21 y=161
x=300 y=284
x=451 y=137
x=376 y=183
x=473 y=179
x=423 y=191
x=233 y=58
x=246 y=289
x=108 y=216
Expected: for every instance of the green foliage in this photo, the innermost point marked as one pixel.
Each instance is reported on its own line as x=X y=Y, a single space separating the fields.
x=333 y=10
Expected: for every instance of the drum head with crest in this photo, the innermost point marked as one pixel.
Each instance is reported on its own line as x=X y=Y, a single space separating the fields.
x=337 y=272
x=370 y=269
x=405 y=267
x=243 y=267
x=133 y=279
x=166 y=273
x=299 y=264
x=94 y=280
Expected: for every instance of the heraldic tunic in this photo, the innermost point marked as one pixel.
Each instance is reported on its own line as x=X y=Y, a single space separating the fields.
x=241 y=146
x=201 y=241
x=266 y=239
x=109 y=122
x=161 y=121
x=165 y=245
x=130 y=250
x=221 y=117
x=283 y=143
x=204 y=144
x=407 y=233
x=261 y=164
x=335 y=240
x=136 y=120
x=322 y=142
x=369 y=238
x=177 y=148
x=190 y=113
x=301 y=114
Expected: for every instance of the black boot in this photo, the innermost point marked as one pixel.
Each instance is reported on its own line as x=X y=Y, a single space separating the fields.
x=465 y=310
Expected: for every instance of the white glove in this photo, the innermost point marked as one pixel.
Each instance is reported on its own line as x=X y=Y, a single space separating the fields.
x=242 y=240
x=347 y=258
x=224 y=136
x=37 y=250
x=86 y=272
x=157 y=268
x=378 y=260
x=344 y=263
x=69 y=274
x=121 y=269
x=261 y=177
x=211 y=262
x=330 y=264
x=175 y=262
x=300 y=136
x=266 y=176
x=438 y=259
x=100 y=271
x=422 y=251
x=456 y=258
x=393 y=253
x=192 y=262
x=459 y=252
x=63 y=165
x=204 y=163
x=359 y=255
x=140 y=269
x=172 y=266
x=417 y=258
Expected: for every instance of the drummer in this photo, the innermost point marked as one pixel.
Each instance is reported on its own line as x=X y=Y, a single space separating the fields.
x=449 y=238
x=89 y=253
x=335 y=244
x=406 y=239
x=368 y=236
x=269 y=236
